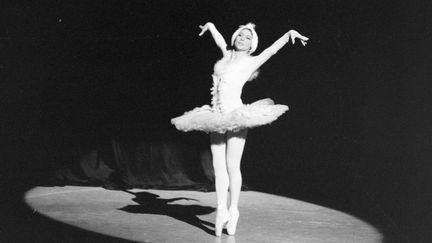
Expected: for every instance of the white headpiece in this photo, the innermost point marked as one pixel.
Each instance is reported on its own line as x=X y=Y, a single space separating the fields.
x=251 y=27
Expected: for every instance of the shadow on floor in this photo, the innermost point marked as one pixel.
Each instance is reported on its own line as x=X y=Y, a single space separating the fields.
x=150 y=203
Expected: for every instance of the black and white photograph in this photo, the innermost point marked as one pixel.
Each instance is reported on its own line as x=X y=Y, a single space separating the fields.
x=216 y=121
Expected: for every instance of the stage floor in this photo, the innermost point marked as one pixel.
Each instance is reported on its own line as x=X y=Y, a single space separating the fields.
x=188 y=216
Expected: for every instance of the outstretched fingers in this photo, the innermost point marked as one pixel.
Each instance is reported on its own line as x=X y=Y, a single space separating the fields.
x=304 y=40
x=296 y=35
x=204 y=28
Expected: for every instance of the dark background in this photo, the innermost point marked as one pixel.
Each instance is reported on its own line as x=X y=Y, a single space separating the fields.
x=357 y=137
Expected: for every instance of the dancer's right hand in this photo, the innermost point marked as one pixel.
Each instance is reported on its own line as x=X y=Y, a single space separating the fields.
x=204 y=28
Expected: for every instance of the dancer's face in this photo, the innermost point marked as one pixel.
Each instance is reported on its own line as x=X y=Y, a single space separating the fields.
x=243 y=41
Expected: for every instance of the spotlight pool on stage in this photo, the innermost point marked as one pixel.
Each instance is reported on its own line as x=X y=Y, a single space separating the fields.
x=188 y=216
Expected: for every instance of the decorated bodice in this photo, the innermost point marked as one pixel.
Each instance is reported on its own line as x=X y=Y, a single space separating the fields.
x=229 y=78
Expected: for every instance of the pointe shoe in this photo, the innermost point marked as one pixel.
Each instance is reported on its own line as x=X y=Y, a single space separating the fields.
x=232 y=223
x=222 y=217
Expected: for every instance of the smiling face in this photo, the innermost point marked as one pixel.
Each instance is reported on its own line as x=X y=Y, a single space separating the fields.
x=243 y=41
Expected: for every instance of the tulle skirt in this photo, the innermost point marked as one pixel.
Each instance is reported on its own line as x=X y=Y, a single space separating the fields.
x=205 y=119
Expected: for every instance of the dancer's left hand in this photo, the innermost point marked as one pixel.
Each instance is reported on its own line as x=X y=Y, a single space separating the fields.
x=292 y=34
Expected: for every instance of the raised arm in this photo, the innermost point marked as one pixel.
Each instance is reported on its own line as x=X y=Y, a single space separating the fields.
x=218 y=38
x=277 y=45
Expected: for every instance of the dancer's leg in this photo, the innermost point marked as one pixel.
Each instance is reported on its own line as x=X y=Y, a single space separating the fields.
x=218 y=149
x=235 y=146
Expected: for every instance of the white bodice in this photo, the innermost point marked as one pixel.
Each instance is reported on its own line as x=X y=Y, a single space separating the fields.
x=229 y=78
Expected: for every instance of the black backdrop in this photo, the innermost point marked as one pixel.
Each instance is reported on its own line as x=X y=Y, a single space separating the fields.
x=78 y=75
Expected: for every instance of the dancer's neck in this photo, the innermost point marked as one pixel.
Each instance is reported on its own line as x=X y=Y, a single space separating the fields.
x=239 y=54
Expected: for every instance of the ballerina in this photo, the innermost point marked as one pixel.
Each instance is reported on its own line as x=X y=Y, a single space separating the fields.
x=228 y=119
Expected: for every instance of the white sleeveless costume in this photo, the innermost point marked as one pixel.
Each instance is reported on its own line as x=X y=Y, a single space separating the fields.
x=227 y=111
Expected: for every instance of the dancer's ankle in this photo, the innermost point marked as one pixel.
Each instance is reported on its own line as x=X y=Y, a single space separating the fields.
x=233 y=209
x=222 y=208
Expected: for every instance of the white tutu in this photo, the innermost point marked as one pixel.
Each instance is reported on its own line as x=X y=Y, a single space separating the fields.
x=206 y=119
x=227 y=111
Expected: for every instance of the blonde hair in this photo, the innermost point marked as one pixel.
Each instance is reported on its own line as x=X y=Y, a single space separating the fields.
x=251 y=27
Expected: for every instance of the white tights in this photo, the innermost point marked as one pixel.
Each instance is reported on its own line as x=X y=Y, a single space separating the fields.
x=227 y=150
